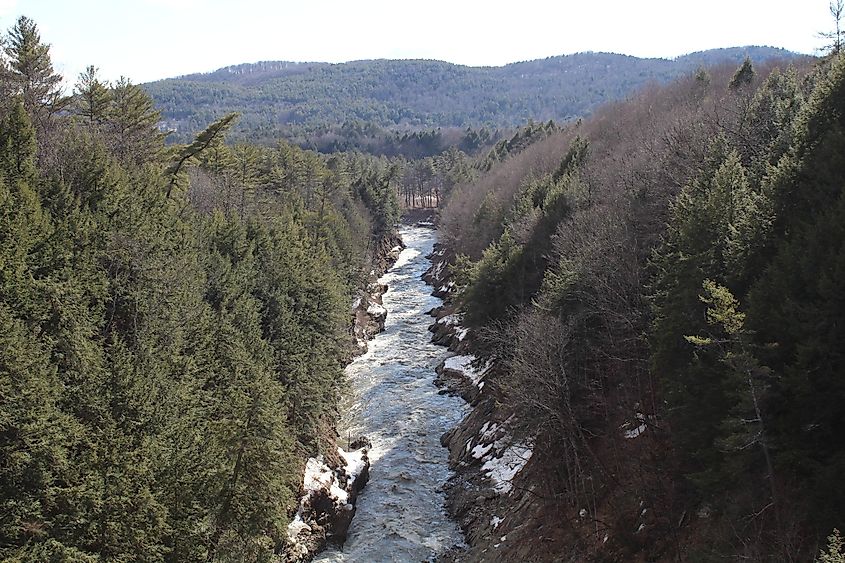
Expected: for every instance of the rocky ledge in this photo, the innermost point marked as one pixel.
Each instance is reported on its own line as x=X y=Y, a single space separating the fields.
x=487 y=495
x=331 y=482
x=330 y=489
x=368 y=312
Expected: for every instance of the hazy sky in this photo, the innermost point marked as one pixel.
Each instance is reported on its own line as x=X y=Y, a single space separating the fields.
x=150 y=39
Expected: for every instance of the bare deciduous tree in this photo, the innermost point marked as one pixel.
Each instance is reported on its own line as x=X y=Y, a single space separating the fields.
x=837 y=10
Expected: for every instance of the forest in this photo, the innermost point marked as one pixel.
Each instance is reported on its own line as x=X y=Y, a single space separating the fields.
x=370 y=105
x=173 y=321
x=647 y=255
x=658 y=290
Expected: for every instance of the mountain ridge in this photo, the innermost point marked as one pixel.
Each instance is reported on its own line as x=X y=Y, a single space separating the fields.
x=730 y=51
x=284 y=98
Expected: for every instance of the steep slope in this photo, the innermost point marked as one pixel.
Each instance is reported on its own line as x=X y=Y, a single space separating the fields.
x=645 y=310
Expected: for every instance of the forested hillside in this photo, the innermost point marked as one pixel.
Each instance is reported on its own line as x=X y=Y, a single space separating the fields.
x=173 y=321
x=341 y=106
x=658 y=291
x=643 y=262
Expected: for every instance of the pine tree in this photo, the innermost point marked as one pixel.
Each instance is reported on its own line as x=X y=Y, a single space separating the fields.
x=32 y=72
x=23 y=223
x=17 y=135
x=132 y=124
x=746 y=382
x=93 y=98
x=34 y=436
x=712 y=224
x=743 y=76
x=208 y=139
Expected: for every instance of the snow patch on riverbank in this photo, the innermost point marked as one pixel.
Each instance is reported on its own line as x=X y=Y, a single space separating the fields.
x=502 y=456
x=376 y=310
x=355 y=462
x=319 y=476
x=463 y=365
x=450 y=320
x=502 y=470
x=631 y=433
x=322 y=483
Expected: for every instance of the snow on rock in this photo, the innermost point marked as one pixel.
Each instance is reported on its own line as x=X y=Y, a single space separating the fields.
x=488 y=431
x=297 y=525
x=481 y=450
x=634 y=432
x=376 y=310
x=502 y=457
x=438 y=269
x=631 y=433
x=316 y=519
x=355 y=462
x=495 y=521
x=450 y=320
x=319 y=476
x=463 y=365
x=502 y=470
x=461 y=333
x=447 y=288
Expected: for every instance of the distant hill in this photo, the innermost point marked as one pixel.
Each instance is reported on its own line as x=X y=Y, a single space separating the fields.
x=285 y=98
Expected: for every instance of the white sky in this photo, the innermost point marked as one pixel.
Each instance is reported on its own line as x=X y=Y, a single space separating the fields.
x=151 y=39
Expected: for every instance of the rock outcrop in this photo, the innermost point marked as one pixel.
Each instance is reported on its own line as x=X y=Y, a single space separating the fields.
x=327 y=506
x=331 y=482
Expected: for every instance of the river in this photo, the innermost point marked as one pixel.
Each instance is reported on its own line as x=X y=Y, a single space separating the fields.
x=394 y=402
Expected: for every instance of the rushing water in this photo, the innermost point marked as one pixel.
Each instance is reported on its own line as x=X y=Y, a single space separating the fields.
x=394 y=402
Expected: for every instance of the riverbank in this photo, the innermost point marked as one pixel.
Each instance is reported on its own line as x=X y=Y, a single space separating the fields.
x=333 y=480
x=490 y=493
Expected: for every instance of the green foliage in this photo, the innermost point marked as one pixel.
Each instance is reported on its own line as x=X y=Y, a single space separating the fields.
x=793 y=305
x=132 y=124
x=213 y=135
x=32 y=76
x=93 y=98
x=744 y=75
x=712 y=231
x=413 y=103
x=19 y=146
x=491 y=290
x=681 y=267
x=834 y=553
x=167 y=356
x=512 y=269
x=520 y=140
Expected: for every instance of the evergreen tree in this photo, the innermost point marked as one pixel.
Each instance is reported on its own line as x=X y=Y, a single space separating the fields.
x=32 y=72
x=93 y=98
x=132 y=124
x=793 y=305
x=209 y=139
x=743 y=76
x=707 y=239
